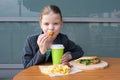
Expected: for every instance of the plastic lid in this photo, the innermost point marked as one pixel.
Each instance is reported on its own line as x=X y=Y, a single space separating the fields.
x=57 y=46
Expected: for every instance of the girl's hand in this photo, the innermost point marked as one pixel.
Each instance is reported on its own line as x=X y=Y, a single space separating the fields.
x=44 y=43
x=66 y=58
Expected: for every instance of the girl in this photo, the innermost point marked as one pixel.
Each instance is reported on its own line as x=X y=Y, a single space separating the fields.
x=37 y=46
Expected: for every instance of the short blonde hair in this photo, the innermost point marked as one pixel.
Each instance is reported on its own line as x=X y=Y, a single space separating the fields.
x=50 y=8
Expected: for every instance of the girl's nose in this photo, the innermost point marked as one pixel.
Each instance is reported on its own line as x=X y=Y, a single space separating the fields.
x=51 y=27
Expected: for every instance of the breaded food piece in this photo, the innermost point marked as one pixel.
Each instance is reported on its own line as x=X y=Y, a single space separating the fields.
x=50 y=33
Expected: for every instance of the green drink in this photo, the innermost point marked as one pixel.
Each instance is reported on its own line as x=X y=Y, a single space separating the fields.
x=57 y=52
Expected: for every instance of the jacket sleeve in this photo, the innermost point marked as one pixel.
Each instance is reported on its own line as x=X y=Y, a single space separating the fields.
x=30 y=56
x=75 y=50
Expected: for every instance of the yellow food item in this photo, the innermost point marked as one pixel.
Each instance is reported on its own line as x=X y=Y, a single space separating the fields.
x=57 y=69
x=50 y=33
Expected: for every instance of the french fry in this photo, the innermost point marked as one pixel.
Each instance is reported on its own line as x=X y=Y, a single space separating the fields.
x=59 y=69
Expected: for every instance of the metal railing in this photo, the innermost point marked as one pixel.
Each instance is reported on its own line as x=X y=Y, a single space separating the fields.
x=65 y=19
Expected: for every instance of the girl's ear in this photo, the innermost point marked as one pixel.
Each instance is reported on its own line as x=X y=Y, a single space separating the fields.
x=40 y=21
x=62 y=24
x=40 y=24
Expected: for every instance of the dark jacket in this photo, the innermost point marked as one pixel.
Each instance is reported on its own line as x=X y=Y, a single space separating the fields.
x=32 y=55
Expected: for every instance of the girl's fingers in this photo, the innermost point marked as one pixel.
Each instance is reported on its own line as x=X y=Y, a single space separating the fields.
x=44 y=42
x=66 y=57
x=41 y=38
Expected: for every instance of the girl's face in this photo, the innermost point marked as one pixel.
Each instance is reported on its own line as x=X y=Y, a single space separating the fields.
x=51 y=22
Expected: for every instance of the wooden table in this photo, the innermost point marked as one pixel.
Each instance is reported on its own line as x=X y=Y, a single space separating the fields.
x=112 y=72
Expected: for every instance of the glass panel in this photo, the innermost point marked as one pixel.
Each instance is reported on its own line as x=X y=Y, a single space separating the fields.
x=13 y=38
x=100 y=39
x=81 y=8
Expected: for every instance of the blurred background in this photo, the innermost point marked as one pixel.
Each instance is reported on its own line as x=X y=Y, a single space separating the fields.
x=92 y=24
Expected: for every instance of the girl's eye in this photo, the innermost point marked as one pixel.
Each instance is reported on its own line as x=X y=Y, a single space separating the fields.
x=46 y=24
x=55 y=23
